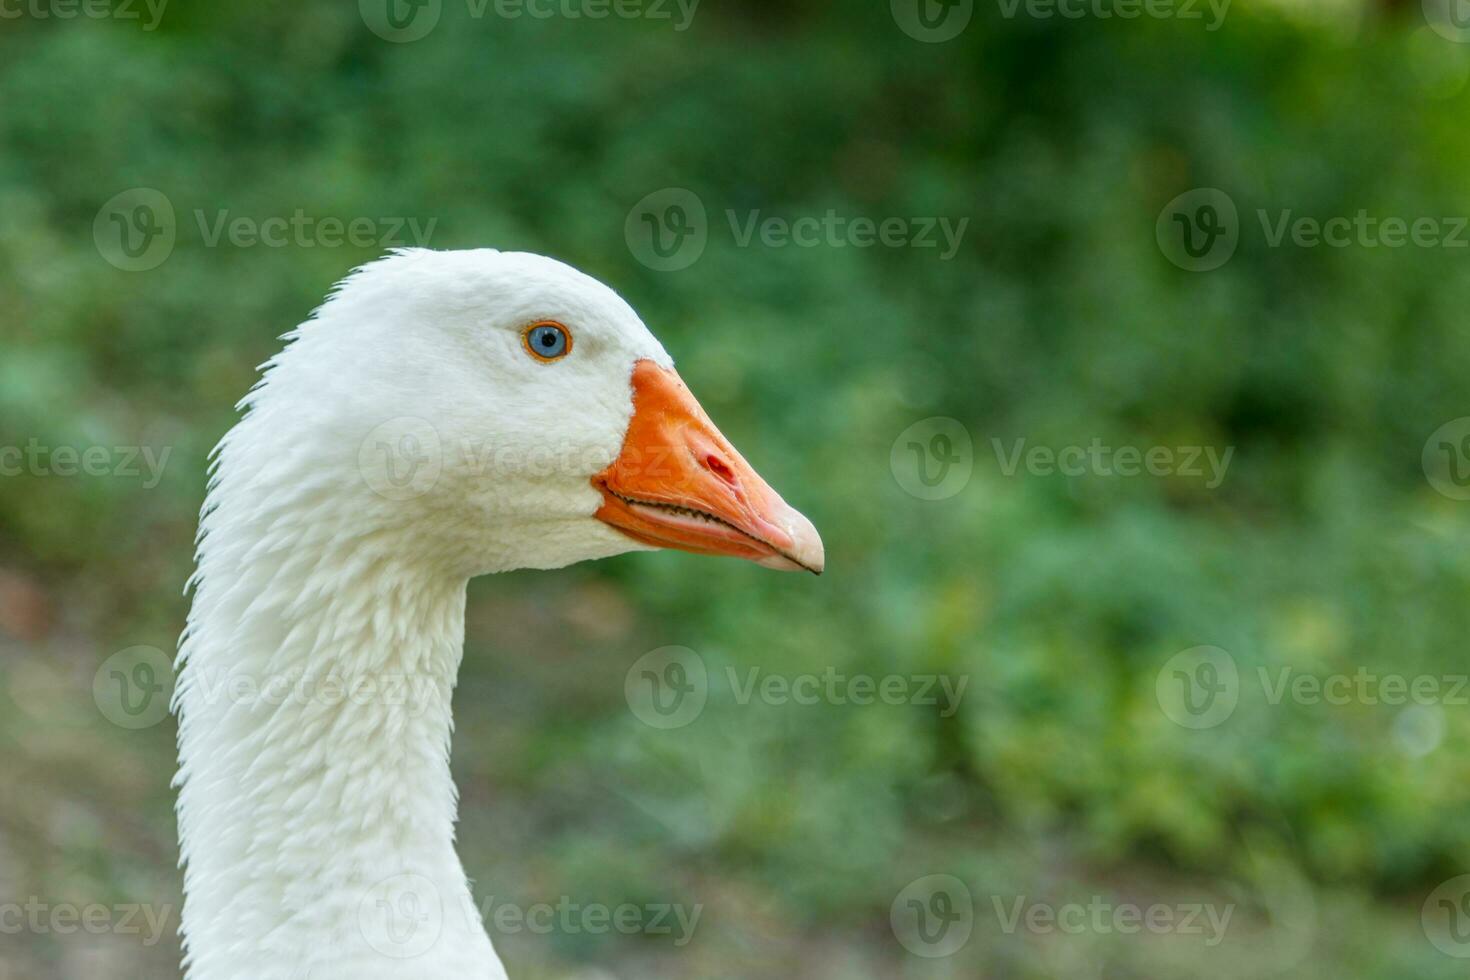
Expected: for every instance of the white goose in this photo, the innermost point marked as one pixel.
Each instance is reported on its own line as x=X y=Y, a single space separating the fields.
x=441 y=416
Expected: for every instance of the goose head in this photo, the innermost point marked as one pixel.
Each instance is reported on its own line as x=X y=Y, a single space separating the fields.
x=502 y=410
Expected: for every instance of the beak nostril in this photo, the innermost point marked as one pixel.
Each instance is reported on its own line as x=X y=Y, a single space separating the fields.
x=719 y=468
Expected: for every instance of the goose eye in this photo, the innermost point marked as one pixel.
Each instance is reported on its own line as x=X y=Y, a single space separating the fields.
x=547 y=341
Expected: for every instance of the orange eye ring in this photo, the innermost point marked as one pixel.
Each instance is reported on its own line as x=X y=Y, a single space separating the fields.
x=547 y=341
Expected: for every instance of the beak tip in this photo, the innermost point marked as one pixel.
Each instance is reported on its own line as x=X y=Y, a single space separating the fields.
x=806 y=551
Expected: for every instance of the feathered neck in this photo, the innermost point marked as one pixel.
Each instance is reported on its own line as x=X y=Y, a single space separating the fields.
x=316 y=808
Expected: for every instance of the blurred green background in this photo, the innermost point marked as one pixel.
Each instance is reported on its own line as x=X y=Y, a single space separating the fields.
x=1060 y=777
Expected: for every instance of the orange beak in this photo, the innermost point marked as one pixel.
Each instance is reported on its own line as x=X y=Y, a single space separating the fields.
x=678 y=483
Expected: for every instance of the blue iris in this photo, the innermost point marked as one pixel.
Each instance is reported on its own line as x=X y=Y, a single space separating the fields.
x=547 y=340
